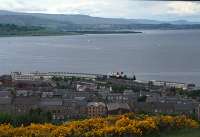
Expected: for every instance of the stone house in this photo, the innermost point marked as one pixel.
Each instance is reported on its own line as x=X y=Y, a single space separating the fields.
x=75 y=108
x=23 y=105
x=6 y=80
x=5 y=102
x=53 y=105
x=96 y=109
x=165 y=108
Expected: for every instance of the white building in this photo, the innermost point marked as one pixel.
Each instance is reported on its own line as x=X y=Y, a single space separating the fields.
x=23 y=77
x=169 y=84
x=41 y=75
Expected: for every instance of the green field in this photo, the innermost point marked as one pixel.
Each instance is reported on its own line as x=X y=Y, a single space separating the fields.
x=181 y=133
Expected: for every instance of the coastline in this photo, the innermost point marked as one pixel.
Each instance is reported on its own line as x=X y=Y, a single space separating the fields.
x=69 y=33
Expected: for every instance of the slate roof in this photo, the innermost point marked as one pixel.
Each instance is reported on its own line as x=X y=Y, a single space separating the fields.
x=51 y=102
x=5 y=93
x=96 y=104
x=26 y=100
x=5 y=101
x=115 y=106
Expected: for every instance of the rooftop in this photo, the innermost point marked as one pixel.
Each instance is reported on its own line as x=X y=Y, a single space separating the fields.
x=96 y=104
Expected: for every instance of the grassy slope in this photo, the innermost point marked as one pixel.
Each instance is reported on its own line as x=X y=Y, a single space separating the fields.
x=181 y=133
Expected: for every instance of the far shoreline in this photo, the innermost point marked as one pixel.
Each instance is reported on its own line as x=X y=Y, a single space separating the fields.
x=70 y=33
x=73 y=33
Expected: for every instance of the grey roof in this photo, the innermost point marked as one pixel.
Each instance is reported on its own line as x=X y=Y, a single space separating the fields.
x=5 y=77
x=26 y=100
x=115 y=106
x=74 y=103
x=115 y=94
x=160 y=105
x=80 y=98
x=96 y=104
x=183 y=106
x=5 y=93
x=51 y=102
x=5 y=101
x=143 y=106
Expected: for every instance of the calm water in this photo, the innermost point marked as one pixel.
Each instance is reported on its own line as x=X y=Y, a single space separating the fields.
x=163 y=55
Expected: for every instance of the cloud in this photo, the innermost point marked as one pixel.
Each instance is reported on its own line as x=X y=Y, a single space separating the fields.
x=184 y=8
x=21 y=5
x=108 y=8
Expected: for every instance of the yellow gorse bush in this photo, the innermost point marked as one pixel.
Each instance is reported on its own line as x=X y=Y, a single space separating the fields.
x=112 y=126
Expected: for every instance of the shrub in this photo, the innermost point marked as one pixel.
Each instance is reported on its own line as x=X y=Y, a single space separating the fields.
x=112 y=126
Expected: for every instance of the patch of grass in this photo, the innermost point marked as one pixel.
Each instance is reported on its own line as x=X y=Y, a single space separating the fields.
x=179 y=133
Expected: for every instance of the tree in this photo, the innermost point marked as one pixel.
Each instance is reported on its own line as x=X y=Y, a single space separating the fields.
x=134 y=77
x=142 y=99
x=5 y=118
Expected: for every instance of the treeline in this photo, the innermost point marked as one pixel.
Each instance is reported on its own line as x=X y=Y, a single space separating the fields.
x=193 y=94
x=119 y=27
x=13 y=27
x=164 y=26
x=34 y=116
x=16 y=30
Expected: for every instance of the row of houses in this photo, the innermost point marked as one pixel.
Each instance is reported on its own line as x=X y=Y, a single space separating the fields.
x=60 y=108
x=64 y=104
x=168 y=108
x=32 y=91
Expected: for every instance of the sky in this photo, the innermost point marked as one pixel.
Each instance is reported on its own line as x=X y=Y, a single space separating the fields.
x=159 y=10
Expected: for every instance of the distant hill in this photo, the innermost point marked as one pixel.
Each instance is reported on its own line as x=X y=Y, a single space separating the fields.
x=24 y=19
x=81 y=19
x=61 y=22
